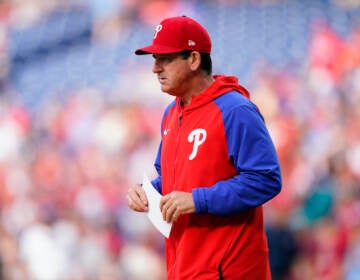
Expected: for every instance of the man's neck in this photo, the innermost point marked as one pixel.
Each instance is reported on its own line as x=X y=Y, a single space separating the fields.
x=200 y=85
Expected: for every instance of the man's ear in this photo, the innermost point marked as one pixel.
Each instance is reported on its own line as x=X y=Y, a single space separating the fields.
x=194 y=60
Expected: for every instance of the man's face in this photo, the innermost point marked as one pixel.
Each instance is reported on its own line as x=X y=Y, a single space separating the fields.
x=173 y=73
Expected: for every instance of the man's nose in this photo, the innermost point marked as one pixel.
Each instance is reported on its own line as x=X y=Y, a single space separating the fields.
x=156 y=67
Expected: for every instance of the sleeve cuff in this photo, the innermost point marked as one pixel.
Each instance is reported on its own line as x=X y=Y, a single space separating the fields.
x=157 y=184
x=200 y=200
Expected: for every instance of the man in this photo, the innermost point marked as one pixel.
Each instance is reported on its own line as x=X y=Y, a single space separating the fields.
x=216 y=162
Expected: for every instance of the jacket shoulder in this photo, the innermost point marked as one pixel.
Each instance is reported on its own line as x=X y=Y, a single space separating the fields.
x=168 y=108
x=231 y=100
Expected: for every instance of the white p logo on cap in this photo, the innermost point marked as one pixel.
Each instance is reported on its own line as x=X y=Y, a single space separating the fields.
x=157 y=30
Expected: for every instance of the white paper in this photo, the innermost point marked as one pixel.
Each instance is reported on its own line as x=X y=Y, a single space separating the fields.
x=154 y=212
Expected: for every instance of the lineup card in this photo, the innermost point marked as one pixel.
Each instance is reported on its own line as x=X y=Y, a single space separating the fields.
x=154 y=212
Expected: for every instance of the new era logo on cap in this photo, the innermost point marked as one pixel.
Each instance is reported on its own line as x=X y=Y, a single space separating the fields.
x=191 y=43
x=177 y=34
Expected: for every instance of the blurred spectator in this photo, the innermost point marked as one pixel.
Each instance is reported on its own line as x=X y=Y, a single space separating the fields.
x=352 y=257
x=282 y=245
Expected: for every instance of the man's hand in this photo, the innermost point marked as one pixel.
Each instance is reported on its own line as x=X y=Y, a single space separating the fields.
x=175 y=204
x=136 y=199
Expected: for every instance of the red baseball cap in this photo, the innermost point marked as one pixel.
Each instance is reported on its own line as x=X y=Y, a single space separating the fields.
x=176 y=34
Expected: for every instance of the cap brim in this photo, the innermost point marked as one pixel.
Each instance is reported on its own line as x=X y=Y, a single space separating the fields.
x=157 y=49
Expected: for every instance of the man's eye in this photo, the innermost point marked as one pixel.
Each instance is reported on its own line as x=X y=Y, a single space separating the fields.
x=168 y=58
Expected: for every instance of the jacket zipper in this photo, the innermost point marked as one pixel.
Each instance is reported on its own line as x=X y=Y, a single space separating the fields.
x=179 y=119
x=221 y=277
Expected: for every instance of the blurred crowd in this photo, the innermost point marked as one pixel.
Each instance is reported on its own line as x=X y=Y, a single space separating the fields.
x=312 y=111
x=66 y=165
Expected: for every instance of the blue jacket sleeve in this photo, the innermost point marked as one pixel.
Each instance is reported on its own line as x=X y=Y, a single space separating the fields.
x=253 y=154
x=157 y=181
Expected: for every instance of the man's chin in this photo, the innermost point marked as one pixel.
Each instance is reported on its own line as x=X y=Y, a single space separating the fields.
x=167 y=91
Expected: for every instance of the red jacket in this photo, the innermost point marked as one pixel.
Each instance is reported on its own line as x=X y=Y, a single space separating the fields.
x=218 y=148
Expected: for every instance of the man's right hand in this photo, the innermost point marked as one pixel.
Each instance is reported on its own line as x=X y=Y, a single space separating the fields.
x=136 y=199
